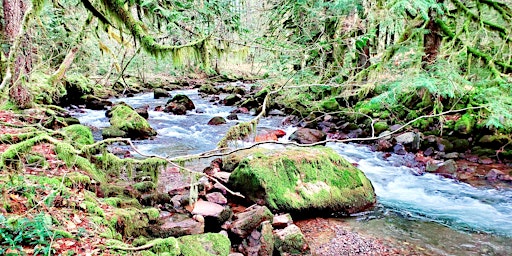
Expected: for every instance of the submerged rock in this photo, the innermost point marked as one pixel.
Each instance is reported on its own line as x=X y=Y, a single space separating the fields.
x=245 y=222
x=302 y=180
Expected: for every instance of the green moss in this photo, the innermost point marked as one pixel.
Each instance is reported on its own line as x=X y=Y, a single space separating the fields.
x=144 y=186
x=112 y=132
x=330 y=105
x=62 y=233
x=141 y=240
x=169 y=245
x=380 y=127
x=67 y=153
x=133 y=221
x=79 y=134
x=110 y=233
x=129 y=121
x=152 y=213
x=204 y=244
x=465 y=124
x=299 y=179
x=92 y=208
x=76 y=178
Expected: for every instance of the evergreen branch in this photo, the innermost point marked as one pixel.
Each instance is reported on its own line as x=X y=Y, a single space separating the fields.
x=502 y=30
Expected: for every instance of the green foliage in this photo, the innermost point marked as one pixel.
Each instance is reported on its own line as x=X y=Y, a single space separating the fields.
x=36 y=233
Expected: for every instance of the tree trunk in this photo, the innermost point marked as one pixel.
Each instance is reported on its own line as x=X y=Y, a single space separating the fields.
x=19 y=62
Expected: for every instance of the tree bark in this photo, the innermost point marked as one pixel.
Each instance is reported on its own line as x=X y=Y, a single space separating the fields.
x=19 y=62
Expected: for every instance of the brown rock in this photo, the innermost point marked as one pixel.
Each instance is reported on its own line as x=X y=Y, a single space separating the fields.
x=217 y=120
x=216 y=197
x=177 y=225
x=307 y=136
x=250 y=219
x=282 y=221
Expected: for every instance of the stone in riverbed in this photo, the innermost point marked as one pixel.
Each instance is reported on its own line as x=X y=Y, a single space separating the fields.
x=124 y=118
x=307 y=180
x=160 y=93
x=177 y=225
x=179 y=104
x=204 y=244
x=282 y=221
x=216 y=197
x=245 y=222
x=307 y=136
x=291 y=241
x=217 y=120
x=260 y=242
x=214 y=214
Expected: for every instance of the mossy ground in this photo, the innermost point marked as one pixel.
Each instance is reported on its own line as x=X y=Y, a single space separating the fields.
x=299 y=179
x=61 y=174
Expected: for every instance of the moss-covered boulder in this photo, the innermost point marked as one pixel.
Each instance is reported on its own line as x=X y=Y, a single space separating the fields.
x=124 y=118
x=302 y=180
x=204 y=244
x=79 y=134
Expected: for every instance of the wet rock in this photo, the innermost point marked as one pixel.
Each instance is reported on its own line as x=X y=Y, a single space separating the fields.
x=460 y=145
x=447 y=167
x=291 y=241
x=200 y=111
x=177 y=225
x=124 y=118
x=276 y=112
x=265 y=135
x=307 y=136
x=444 y=145
x=232 y=116
x=276 y=178
x=453 y=155
x=260 y=242
x=494 y=175
x=112 y=132
x=217 y=120
x=214 y=214
x=282 y=221
x=159 y=108
x=383 y=145
x=184 y=100
x=429 y=151
x=143 y=111
x=245 y=222
x=355 y=133
x=399 y=149
x=216 y=197
x=231 y=99
x=380 y=127
x=175 y=108
x=409 y=139
x=95 y=103
x=240 y=110
x=160 y=93
x=327 y=127
x=208 y=89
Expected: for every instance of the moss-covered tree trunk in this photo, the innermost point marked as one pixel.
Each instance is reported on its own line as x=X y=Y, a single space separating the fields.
x=19 y=62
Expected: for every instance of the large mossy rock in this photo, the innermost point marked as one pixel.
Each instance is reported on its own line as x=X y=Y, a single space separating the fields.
x=79 y=134
x=124 y=118
x=204 y=244
x=308 y=180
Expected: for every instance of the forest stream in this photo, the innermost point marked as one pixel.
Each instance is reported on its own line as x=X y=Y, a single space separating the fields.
x=439 y=215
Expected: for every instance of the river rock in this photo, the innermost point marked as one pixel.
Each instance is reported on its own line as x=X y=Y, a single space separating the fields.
x=181 y=99
x=208 y=89
x=177 y=225
x=276 y=112
x=282 y=221
x=260 y=242
x=291 y=241
x=124 y=118
x=175 y=108
x=216 y=197
x=308 y=180
x=240 y=110
x=448 y=167
x=143 y=111
x=232 y=116
x=231 y=99
x=410 y=140
x=217 y=120
x=245 y=222
x=160 y=93
x=210 y=244
x=214 y=214
x=494 y=175
x=307 y=136
x=95 y=103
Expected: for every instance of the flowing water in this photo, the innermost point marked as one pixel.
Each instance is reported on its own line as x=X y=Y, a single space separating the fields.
x=439 y=214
